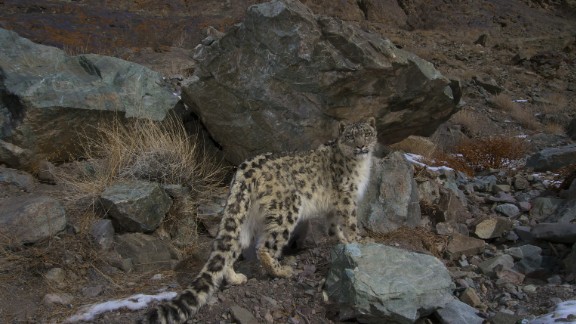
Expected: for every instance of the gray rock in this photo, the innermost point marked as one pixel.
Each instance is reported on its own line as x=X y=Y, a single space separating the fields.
x=391 y=198
x=524 y=206
x=505 y=318
x=550 y=159
x=283 y=78
x=21 y=180
x=509 y=210
x=524 y=233
x=470 y=297
x=47 y=97
x=566 y=213
x=528 y=258
x=555 y=232
x=488 y=267
x=136 y=206
x=521 y=183
x=28 y=219
x=102 y=233
x=458 y=312
x=488 y=84
x=571 y=129
x=544 y=207
x=146 y=253
x=56 y=277
x=492 y=227
x=502 y=197
x=484 y=184
x=366 y=286
x=242 y=315
x=92 y=291
x=464 y=245
x=570 y=260
x=62 y=299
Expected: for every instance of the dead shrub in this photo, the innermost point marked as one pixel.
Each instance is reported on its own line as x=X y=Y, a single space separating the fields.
x=473 y=155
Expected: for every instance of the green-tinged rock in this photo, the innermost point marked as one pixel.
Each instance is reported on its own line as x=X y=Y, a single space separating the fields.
x=376 y=283
x=136 y=206
x=48 y=97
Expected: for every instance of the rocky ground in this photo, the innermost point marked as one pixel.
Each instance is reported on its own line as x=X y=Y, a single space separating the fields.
x=489 y=235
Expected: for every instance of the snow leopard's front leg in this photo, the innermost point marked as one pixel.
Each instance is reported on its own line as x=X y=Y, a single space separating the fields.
x=345 y=223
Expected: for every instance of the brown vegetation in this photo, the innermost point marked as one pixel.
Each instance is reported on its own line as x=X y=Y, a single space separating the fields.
x=473 y=155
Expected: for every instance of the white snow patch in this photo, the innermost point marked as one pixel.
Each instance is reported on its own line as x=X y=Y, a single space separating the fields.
x=134 y=302
x=415 y=159
x=520 y=100
x=565 y=312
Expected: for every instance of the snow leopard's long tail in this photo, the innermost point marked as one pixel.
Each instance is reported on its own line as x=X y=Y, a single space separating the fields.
x=225 y=250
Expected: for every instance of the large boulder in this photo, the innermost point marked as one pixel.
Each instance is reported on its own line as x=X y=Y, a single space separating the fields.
x=284 y=78
x=391 y=199
x=550 y=159
x=48 y=97
x=30 y=218
x=375 y=283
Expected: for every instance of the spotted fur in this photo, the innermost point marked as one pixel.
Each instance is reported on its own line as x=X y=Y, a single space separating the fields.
x=268 y=197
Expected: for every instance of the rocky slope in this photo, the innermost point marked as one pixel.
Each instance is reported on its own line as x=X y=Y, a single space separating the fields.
x=505 y=236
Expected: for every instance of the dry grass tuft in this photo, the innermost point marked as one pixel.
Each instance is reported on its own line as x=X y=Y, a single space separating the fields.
x=523 y=115
x=146 y=150
x=479 y=154
x=417 y=145
x=504 y=102
x=554 y=128
x=473 y=123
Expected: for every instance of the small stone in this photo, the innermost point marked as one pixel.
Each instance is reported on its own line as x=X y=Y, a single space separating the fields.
x=458 y=312
x=62 y=299
x=460 y=244
x=524 y=206
x=492 y=227
x=501 y=187
x=242 y=315
x=488 y=267
x=470 y=297
x=92 y=291
x=521 y=183
x=509 y=276
x=529 y=289
x=56 y=276
x=268 y=317
x=102 y=233
x=503 y=317
x=555 y=280
x=509 y=210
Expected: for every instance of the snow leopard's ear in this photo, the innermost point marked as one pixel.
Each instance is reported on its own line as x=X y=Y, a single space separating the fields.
x=371 y=121
x=341 y=127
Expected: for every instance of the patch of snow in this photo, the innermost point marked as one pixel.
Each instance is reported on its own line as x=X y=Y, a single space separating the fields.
x=565 y=312
x=415 y=159
x=520 y=100
x=134 y=302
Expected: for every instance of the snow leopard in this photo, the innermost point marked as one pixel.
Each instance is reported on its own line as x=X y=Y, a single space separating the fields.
x=268 y=197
